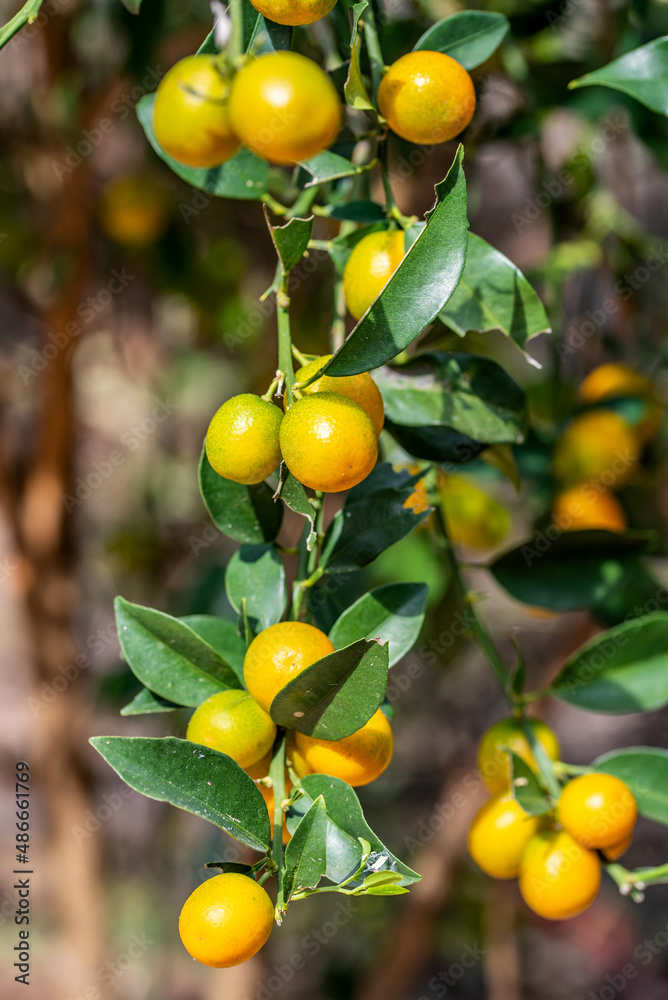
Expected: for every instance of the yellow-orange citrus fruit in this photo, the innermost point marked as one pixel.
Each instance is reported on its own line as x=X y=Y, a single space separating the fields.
x=328 y=442
x=226 y=920
x=614 y=380
x=268 y=796
x=278 y=654
x=558 y=877
x=370 y=266
x=616 y=851
x=596 y=446
x=498 y=835
x=493 y=760
x=418 y=501
x=191 y=115
x=242 y=442
x=586 y=506
x=234 y=723
x=598 y=810
x=284 y=107
x=357 y=759
x=295 y=759
x=294 y=12
x=473 y=517
x=427 y=97
x=360 y=388
x=134 y=210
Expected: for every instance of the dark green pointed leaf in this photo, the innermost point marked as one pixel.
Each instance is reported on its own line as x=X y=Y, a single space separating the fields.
x=306 y=852
x=147 y=703
x=328 y=166
x=526 y=787
x=619 y=671
x=345 y=824
x=541 y=572
x=392 y=614
x=256 y=572
x=469 y=36
x=642 y=73
x=373 y=518
x=244 y=177
x=231 y=866
x=418 y=289
x=245 y=513
x=336 y=695
x=191 y=777
x=467 y=393
x=359 y=211
x=645 y=771
x=435 y=444
x=297 y=499
x=291 y=241
x=168 y=657
x=355 y=90
x=223 y=637
x=493 y=294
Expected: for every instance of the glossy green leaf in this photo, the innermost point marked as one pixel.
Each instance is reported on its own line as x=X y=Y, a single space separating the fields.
x=541 y=571
x=256 y=572
x=469 y=394
x=147 y=703
x=355 y=90
x=435 y=444
x=469 y=36
x=386 y=890
x=392 y=614
x=418 y=289
x=493 y=294
x=345 y=824
x=306 y=852
x=168 y=657
x=223 y=637
x=526 y=788
x=645 y=771
x=261 y=35
x=191 y=777
x=244 y=177
x=245 y=513
x=328 y=166
x=297 y=499
x=359 y=211
x=336 y=695
x=372 y=519
x=642 y=73
x=291 y=241
x=624 y=669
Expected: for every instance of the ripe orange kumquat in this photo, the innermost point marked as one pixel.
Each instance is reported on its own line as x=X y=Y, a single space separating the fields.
x=233 y=723
x=226 y=920
x=499 y=834
x=558 y=877
x=360 y=388
x=584 y=507
x=370 y=266
x=294 y=12
x=493 y=760
x=597 y=446
x=242 y=442
x=598 y=810
x=278 y=654
x=427 y=97
x=356 y=759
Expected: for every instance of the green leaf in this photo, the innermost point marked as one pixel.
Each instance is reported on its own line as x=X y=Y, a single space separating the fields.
x=645 y=771
x=526 y=787
x=328 y=166
x=435 y=444
x=619 y=671
x=245 y=513
x=372 y=519
x=642 y=73
x=386 y=890
x=359 y=211
x=345 y=824
x=355 y=90
x=469 y=36
x=147 y=703
x=297 y=499
x=392 y=614
x=256 y=572
x=244 y=177
x=306 y=852
x=191 y=777
x=341 y=247
x=336 y=695
x=132 y=5
x=262 y=35
x=291 y=241
x=418 y=289
x=168 y=657
x=381 y=878
x=231 y=866
x=493 y=294
x=223 y=637
x=541 y=571
x=469 y=394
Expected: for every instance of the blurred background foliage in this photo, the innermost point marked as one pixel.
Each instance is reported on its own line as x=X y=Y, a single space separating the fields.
x=130 y=312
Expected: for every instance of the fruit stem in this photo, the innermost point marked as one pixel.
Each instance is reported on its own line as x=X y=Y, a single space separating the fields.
x=284 y=336
x=26 y=15
x=298 y=356
x=269 y=394
x=277 y=776
x=235 y=46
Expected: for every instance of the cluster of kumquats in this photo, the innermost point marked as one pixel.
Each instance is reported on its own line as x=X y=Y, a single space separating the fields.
x=556 y=856
x=228 y=918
